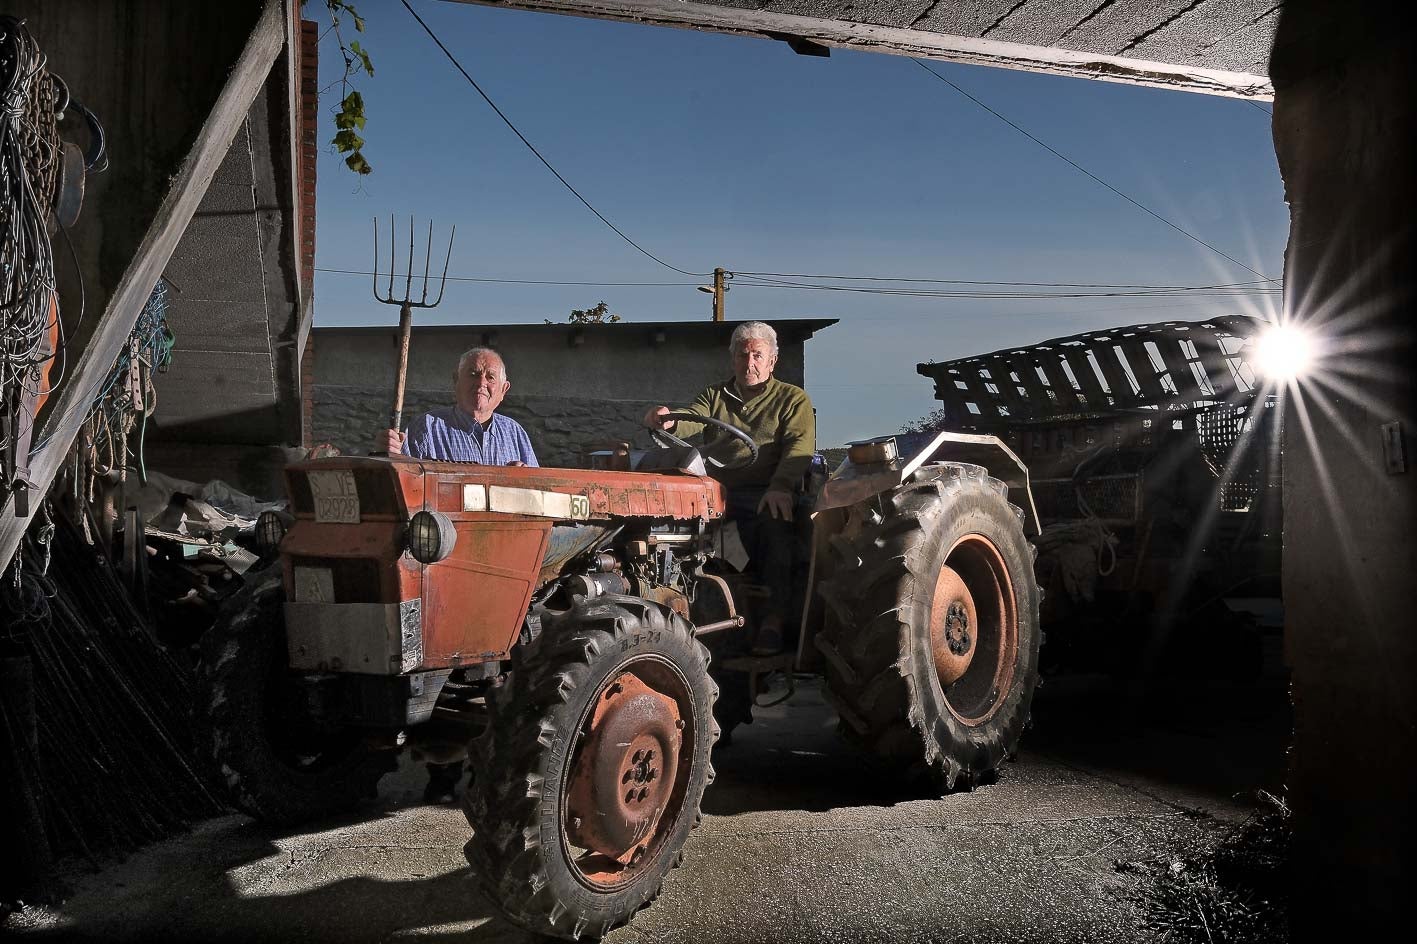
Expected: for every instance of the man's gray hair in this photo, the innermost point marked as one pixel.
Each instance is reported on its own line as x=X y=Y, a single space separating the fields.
x=472 y=352
x=753 y=331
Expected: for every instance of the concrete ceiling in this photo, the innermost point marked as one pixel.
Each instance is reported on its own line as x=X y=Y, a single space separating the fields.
x=1213 y=46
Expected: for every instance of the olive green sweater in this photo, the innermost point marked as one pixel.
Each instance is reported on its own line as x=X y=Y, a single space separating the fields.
x=780 y=420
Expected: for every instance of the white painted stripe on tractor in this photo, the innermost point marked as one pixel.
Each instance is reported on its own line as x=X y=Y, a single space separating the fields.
x=474 y=498
x=532 y=501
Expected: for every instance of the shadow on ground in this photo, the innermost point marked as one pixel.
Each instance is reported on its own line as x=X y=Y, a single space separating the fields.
x=1217 y=739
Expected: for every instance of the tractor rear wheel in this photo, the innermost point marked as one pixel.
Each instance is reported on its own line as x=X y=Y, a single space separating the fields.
x=590 y=775
x=932 y=637
x=278 y=766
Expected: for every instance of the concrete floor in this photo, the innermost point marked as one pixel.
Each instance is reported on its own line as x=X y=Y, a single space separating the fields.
x=803 y=841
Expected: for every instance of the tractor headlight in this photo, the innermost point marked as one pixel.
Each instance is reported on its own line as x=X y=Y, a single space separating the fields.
x=430 y=536
x=270 y=530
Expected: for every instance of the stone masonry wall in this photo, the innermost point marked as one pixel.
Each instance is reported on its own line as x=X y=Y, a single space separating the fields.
x=560 y=427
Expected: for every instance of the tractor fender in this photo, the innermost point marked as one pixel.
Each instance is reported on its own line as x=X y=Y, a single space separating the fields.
x=877 y=466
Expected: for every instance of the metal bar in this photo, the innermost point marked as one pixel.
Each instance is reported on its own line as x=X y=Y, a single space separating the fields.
x=408 y=283
x=442 y=285
x=375 y=274
x=733 y=622
x=427 y=261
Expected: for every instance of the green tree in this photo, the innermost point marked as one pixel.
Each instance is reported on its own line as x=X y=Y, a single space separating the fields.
x=599 y=314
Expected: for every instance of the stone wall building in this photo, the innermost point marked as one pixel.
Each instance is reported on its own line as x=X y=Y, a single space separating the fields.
x=572 y=385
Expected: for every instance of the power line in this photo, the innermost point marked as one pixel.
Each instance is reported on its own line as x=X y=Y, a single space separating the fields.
x=1180 y=291
x=924 y=293
x=1232 y=290
x=764 y=280
x=1141 y=206
x=885 y=278
x=470 y=278
x=508 y=122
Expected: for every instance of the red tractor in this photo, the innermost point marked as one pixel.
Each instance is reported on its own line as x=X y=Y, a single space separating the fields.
x=561 y=621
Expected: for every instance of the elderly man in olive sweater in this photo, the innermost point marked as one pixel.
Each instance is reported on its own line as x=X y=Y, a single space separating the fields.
x=761 y=496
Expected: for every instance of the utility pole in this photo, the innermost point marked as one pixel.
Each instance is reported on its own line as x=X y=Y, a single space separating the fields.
x=718 y=290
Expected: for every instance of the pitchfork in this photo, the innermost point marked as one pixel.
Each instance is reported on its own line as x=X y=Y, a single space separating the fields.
x=407 y=304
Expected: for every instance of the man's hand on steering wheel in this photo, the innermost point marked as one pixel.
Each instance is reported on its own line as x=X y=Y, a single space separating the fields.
x=655 y=421
x=661 y=419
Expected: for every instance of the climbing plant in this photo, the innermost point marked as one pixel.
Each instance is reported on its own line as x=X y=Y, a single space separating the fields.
x=350 y=117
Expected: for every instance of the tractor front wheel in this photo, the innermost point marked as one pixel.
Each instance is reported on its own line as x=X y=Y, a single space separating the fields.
x=591 y=772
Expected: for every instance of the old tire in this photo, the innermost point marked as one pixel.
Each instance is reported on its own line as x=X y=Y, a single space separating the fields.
x=276 y=767
x=535 y=857
x=932 y=637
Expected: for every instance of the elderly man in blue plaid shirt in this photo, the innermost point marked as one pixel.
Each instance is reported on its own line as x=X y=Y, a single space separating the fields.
x=469 y=430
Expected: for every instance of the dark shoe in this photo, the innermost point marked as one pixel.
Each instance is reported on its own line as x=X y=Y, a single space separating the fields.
x=768 y=641
x=442 y=786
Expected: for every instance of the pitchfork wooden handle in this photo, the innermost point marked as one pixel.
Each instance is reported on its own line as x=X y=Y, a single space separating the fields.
x=405 y=329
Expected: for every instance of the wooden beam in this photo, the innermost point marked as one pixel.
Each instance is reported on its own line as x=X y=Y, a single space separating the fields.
x=188 y=187
x=765 y=24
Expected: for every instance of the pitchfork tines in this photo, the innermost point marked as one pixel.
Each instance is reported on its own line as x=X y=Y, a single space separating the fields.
x=407 y=304
x=388 y=297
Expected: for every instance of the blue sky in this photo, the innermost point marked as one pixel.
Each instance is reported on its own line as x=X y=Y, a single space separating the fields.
x=714 y=150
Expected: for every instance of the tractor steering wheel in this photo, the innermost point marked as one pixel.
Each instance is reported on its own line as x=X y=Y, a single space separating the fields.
x=669 y=439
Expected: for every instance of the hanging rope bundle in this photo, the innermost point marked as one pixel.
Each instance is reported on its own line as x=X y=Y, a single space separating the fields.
x=31 y=101
x=129 y=396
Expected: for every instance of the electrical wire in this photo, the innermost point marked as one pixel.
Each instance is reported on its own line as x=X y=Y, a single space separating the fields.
x=469 y=278
x=1196 y=292
x=937 y=281
x=1051 y=150
x=752 y=280
x=29 y=168
x=531 y=147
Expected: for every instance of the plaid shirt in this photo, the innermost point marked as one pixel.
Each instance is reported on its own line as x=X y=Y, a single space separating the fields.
x=450 y=435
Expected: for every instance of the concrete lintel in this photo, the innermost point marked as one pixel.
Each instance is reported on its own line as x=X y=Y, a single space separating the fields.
x=907 y=42
x=188 y=186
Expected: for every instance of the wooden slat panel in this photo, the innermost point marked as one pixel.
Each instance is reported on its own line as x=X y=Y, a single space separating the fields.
x=1143 y=370
x=1178 y=366
x=1086 y=375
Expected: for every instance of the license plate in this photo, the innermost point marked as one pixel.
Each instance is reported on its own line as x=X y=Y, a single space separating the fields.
x=314 y=585
x=336 y=498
